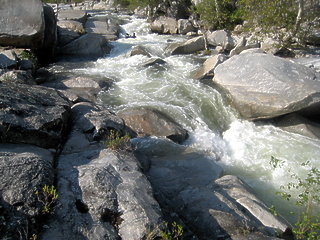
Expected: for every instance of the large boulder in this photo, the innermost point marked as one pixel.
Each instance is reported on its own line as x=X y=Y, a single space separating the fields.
x=264 y=86
x=185 y=26
x=147 y=122
x=22 y=23
x=190 y=46
x=33 y=115
x=164 y=25
x=25 y=169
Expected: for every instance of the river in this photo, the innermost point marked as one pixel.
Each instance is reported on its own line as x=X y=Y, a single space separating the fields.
x=216 y=129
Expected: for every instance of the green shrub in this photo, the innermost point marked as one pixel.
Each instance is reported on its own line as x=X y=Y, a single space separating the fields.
x=115 y=140
x=47 y=198
x=307 y=226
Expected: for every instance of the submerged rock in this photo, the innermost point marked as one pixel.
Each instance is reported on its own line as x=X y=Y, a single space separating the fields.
x=264 y=86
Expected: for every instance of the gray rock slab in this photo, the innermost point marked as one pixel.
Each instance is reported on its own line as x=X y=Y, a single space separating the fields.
x=263 y=86
x=22 y=23
x=32 y=114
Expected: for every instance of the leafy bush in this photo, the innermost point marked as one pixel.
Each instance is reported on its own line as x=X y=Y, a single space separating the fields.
x=307 y=226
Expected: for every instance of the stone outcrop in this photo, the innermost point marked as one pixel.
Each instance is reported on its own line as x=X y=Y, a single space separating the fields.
x=190 y=46
x=32 y=115
x=22 y=23
x=185 y=26
x=264 y=86
x=147 y=122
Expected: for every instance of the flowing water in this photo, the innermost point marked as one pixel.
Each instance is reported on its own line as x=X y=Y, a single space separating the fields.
x=216 y=129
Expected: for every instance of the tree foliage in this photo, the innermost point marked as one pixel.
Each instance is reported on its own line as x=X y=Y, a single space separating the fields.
x=218 y=14
x=280 y=16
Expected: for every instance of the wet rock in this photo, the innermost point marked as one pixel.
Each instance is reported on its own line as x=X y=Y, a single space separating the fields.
x=264 y=86
x=8 y=59
x=22 y=23
x=297 y=124
x=220 y=38
x=164 y=25
x=190 y=46
x=32 y=114
x=24 y=169
x=209 y=65
x=153 y=61
x=139 y=50
x=74 y=15
x=146 y=122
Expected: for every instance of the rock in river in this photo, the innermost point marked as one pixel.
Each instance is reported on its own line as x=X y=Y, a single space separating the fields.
x=264 y=86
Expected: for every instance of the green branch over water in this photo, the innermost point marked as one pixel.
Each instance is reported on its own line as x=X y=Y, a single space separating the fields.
x=307 y=200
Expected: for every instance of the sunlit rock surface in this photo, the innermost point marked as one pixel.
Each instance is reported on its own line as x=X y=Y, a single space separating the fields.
x=263 y=86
